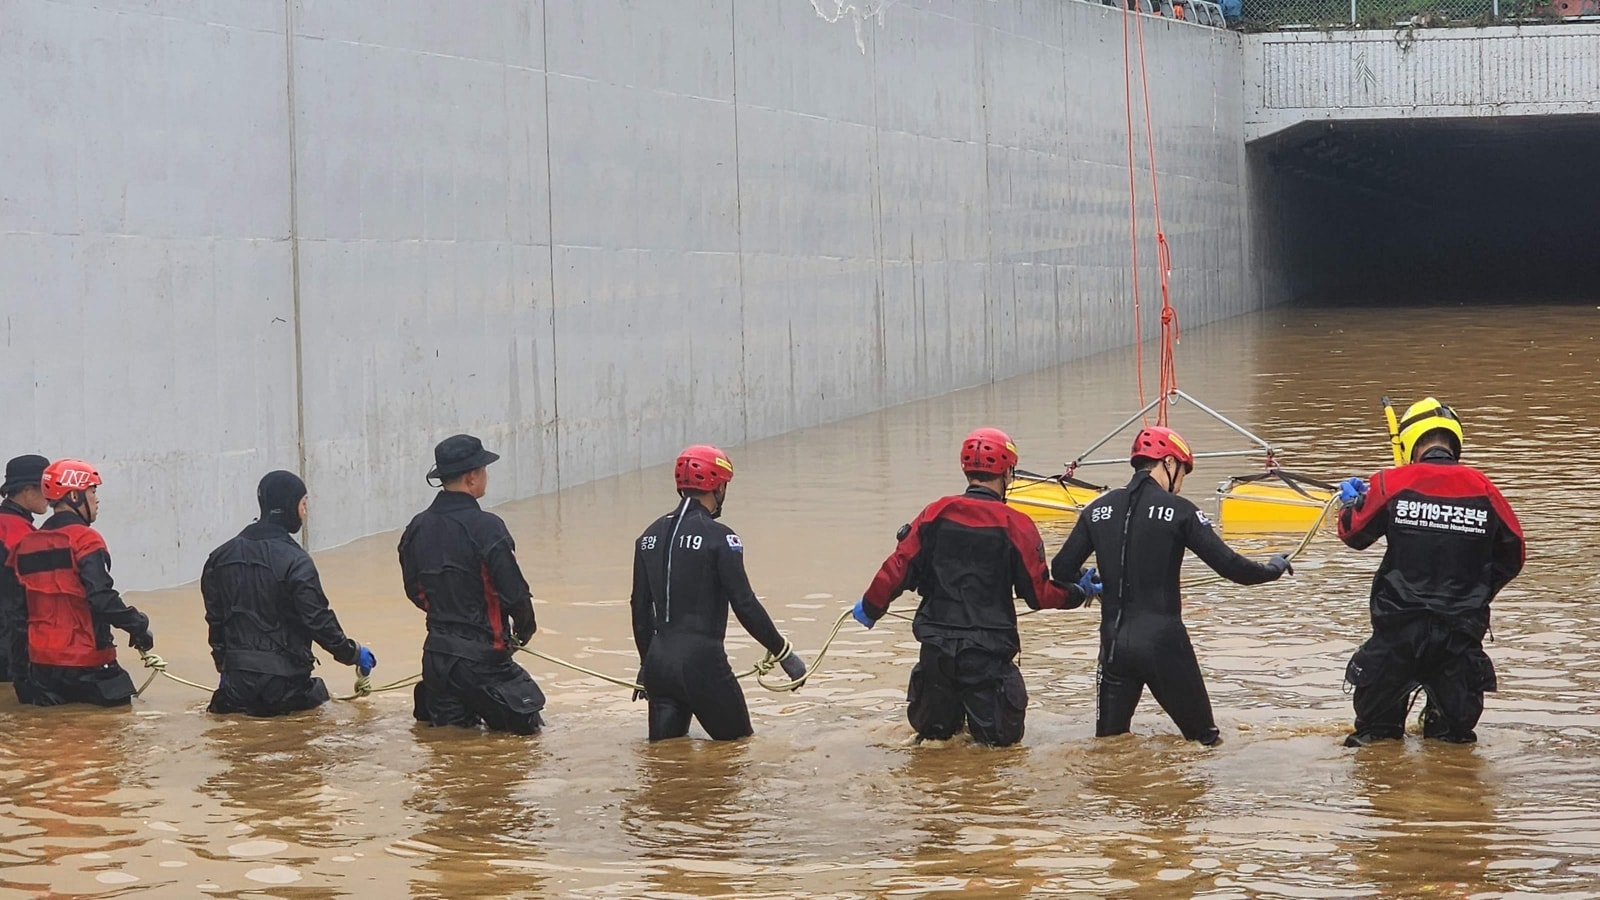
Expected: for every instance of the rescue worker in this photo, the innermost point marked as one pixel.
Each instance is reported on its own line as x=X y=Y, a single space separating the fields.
x=968 y=556
x=1453 y=543
x=688 y=571
x=22 y=500
x=459 y=564
x=1138 y=534
x=264 y=607
x=65 y=573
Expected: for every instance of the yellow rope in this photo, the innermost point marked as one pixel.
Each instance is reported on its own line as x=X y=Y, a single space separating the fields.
x=158 y=666
x=1322 y=518
x=619 y=682
x=811 y=669
x=759 y=670
x=364 y=686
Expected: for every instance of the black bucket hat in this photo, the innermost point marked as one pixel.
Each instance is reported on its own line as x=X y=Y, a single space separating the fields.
x=459 y=453
x=24 y=471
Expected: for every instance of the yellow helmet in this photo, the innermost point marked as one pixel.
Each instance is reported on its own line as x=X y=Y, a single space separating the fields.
x=1424 y=416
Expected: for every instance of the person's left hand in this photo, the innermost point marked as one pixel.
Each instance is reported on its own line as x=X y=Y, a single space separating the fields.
x=794 y=667
x=365 y=661
x=1089 y=582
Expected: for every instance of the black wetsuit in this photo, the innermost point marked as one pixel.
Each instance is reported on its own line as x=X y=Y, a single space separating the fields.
x=81 y=571
x=688 y=571
x=460 y=567
x=264 y=606
x=968 y=556
x=1138 y=535
x=14 y=523
x=1453 y=543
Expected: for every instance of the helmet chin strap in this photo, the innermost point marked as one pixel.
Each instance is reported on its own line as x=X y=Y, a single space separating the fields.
x=1172 y=476
x=81 y=506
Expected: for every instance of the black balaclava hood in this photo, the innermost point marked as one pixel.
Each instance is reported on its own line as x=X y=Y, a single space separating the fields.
x=279 y=495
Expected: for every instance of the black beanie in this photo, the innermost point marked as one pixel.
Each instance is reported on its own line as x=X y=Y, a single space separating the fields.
x=279 y=496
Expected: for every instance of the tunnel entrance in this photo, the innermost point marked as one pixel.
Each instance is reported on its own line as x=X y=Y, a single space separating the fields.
x=1429 y=210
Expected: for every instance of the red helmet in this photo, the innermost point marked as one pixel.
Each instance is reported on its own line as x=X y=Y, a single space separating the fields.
x=1156 y=442
x=988 y=450
x=702 y=468
x=64 y=476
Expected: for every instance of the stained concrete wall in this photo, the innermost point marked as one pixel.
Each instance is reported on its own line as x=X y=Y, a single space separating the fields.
x=1407 y=73
x=322 y=234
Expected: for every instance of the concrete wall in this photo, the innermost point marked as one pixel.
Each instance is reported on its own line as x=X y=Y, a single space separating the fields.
x=322 y=234
x=1292 y=77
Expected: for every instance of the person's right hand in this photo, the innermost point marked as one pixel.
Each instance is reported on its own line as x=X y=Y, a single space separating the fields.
x=365 y=661
x=860 y=613
x=1351 y=491
x=1280 y=562
x=638 y=692
x=142 y=641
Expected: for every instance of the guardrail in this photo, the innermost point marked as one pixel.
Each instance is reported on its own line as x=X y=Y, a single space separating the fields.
x=1259 y=15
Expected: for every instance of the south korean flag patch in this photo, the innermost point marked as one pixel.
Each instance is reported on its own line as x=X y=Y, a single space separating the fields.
x=734 y=545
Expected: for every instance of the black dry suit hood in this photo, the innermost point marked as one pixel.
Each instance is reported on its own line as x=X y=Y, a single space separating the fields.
x=279 y=496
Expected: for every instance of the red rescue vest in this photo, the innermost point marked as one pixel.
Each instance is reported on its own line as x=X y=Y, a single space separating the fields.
x=61 y=628
x=12 y=529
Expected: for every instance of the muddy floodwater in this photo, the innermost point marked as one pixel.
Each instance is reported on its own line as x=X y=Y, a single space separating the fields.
x=829 y=799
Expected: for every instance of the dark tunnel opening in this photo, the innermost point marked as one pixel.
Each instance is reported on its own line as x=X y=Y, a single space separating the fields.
x=1502 y=209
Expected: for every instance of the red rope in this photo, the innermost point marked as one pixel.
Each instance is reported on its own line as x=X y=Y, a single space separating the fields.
x=1169 y=315
x=1133 y=203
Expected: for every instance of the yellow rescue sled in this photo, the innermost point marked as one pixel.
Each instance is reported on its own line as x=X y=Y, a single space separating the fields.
x=1271 y=502
x=1050 y=497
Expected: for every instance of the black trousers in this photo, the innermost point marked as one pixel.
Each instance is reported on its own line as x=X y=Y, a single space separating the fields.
x=982 y=691
x=258 y=694
x=13 y=640
x=1440 y=655
x=464 y=692
x=107 y=685
x=1154 y=651
x=690 y=678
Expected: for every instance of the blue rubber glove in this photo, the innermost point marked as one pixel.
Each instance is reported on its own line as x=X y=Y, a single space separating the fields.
x=1089 y=582
x=1351 y=490
x=860 y=613
x=365 y=661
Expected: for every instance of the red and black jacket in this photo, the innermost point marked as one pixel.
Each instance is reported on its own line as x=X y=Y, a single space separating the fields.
x=460 y=567
x=968 y=556
x=15 y=522
x=1453 y=541
x=65 y=571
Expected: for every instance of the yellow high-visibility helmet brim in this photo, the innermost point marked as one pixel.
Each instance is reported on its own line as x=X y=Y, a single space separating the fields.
x=1422 y=417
